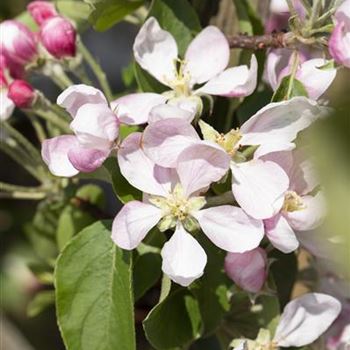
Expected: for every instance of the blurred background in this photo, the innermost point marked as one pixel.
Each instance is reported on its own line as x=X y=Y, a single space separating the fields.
x=113 y=48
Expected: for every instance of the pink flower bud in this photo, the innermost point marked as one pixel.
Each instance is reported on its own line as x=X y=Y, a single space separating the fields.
x=3 y=81
x=339 y=44
x=21 y=93
x=247 y=270
x=41 y=11
x=59 y=37
x=18 y=43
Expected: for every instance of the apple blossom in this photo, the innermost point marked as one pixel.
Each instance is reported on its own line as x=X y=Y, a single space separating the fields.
x=314 y=73
x=258 y=185
x=173 y=201
x=58 y=36
x=339 y=42
x=204 y=64
x=96 y=129
x=18 y=43
x=6 y=106
x=41 y=11
x=301 y=210
x=248 y=270
x=303 y=320
x=21 y=93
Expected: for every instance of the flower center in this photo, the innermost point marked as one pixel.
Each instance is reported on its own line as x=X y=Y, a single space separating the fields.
x=181 y=84
x=229 y=141
x=176 y=207
x=292 y=202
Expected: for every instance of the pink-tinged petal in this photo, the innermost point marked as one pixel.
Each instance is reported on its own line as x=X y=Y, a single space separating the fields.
x=77 y=95
x=201 y=164
x=141 y=171
x=164 y=140
x=284 y=159
x=230 y=229
x=276 y=61
x=305 y=319
x=207 y=55
x=339 y=44
x=6 y=106
x=55 y=154
x=95 y=126
x=259 y=187
x=316 y=80
x=311 y=216
x=280 y=234
x=280 y=122
x=87 y=160
x=248 y=270
x=272 y=147
x=133 y=222
x=167 y=111
x=303 y=177
x=192 y=104
x=155 y=50
x=233 y=82
x=343 y=12
x=279 y=6
x=134 y=109
x=184 y=259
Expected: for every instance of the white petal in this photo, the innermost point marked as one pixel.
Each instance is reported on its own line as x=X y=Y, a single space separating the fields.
x=55 y=154
x=306 y=318
x=207 y=55
x=167 y=111
x=259 y=187
x=311 y=217
x=184 y=259
x=141 y=171
x=95 y=126
x=135 y=109
x=229 y=228
x=280 y=122
x=133 y=222
x=164 y=140
x=280 y=234
x=6 y=105
x=77 y=95
x=315 y=80
x=155 y=50
x=201 y=164
x=233 y=82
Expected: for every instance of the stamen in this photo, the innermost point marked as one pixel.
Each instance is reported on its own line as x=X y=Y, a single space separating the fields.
x=292 y=202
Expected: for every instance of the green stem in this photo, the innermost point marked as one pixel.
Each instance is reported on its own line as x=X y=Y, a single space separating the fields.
x=233 y=104
x=39 y=130
x=52 y=118
x=316 y=8
x=35 y=195
x=81 y=74
x=97 y=70
x=222 y=199
x=293 y=72
x=22 y=141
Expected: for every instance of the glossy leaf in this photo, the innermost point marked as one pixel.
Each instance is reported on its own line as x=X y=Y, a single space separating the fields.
x=94 y=292
x=175 y=322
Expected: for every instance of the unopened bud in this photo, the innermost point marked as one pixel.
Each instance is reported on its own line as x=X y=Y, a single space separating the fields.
x=248 y=270
x=59 y=37
x=41 y=11
x=18 y=43
x=21 y=93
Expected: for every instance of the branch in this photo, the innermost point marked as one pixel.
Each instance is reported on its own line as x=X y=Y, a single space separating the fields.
x=260 y=42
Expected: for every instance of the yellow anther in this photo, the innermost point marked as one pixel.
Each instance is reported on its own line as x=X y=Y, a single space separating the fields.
x=292 y=202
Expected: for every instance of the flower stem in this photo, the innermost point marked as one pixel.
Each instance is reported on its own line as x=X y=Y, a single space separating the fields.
x=52 y=118
x=39 y=130
x=21 y=192
x=293 y=72
x=97 y=70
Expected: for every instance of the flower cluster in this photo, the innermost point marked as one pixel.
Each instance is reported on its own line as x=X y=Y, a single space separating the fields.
x=22 y=49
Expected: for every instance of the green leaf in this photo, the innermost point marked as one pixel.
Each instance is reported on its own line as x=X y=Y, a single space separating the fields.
x=268 y=313
x=77 y=11
x=211 y=290
x=147 y=271
x=73 y=219
x=124 y=191
x=41 y=301
x=175 y=322
x=177 y=17
x=93 y=292
x=106 y=13
x=289 y=88
x=146 y=82
x=43 y=272
x=28 y=20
